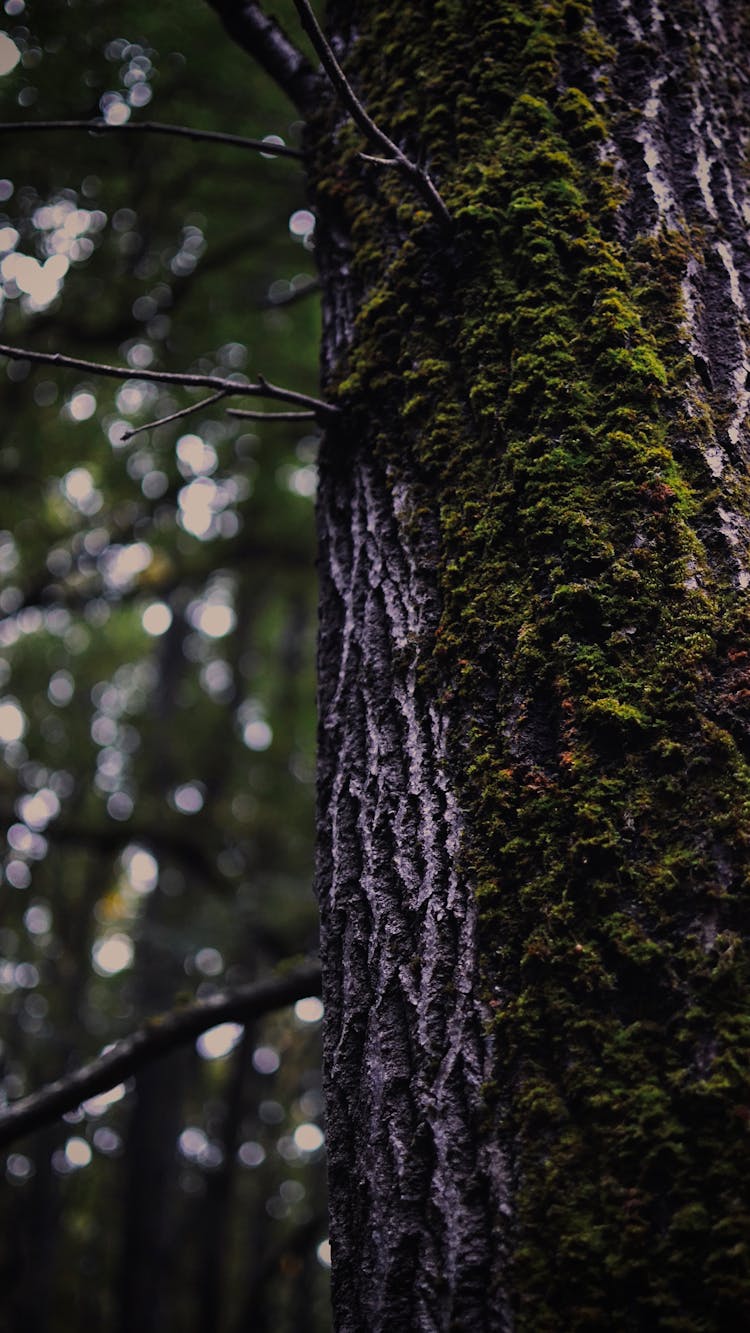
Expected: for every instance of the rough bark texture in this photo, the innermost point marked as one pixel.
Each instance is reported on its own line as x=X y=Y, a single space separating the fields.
x=406 y=1070
x=535 y=669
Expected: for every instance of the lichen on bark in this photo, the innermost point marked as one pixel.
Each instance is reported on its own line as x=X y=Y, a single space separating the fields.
x=559 y=393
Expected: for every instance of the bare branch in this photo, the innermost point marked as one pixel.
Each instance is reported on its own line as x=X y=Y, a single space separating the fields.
x=269 y=416
x=323 y=411
x=264 y=39
x=152 y=127
x=340 y=82
x=175 y=416
x=156 y=1038
x=416 y=175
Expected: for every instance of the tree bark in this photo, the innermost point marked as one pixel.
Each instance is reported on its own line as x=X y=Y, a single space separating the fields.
x=535 y=667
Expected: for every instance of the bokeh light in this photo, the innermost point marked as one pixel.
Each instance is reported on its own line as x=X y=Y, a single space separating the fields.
x=214 y=620
x=112 y=954
x=19 y=1167
x=194 y=456
x=81 y=406
x=302 y=223
x=209 y=962
x=39 y=809
x=188 y=798
x=308 y=1137
x=218 y=1041
x=142 y=869
x=37 y=919
x=156 y=618
x=251 y=1154
x=9 y=54
x=12 y=722
x=266 y=1059
x=257 y=734
x=40 y=282
x=77 y=1153
x=97 y=1105
x=309 y=1010
x=61 y=688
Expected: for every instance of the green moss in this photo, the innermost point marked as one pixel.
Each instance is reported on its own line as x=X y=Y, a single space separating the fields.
x=528 y=382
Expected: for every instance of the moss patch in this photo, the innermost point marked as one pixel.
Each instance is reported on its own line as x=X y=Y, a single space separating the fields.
x=530 y=381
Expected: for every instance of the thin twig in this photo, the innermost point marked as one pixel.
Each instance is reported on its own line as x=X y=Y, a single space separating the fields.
x=415 y=174
x=99 y=126
x=158 y=1036
x=379 y=161
x=175 y=416
x=269 y=416
x=262 y=389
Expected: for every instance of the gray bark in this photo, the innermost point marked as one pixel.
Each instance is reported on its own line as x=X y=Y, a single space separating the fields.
x=683 y=72
x=417 y=1189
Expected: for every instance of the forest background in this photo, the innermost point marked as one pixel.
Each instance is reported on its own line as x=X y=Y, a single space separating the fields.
x=156 y=679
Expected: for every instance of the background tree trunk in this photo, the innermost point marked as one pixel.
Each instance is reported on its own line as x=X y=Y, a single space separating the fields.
x=534 y=668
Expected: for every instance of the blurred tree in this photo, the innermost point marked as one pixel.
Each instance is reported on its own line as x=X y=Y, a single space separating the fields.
x=534 y=779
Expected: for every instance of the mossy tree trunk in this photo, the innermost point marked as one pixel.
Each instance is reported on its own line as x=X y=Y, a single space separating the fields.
x=535 y=668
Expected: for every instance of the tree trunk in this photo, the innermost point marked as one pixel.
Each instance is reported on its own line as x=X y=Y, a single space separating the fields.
x=535 y=668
